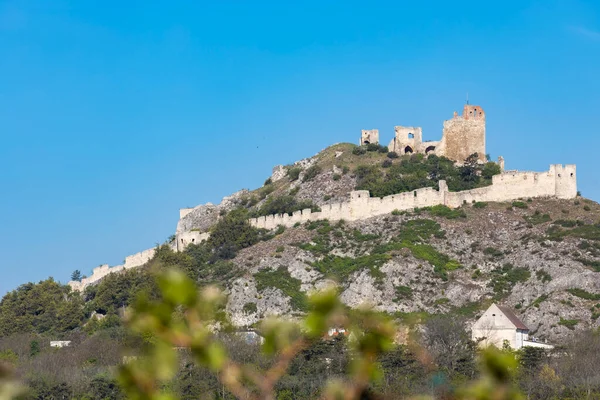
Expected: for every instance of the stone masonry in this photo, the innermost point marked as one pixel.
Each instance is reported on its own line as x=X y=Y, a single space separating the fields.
x=462 y=136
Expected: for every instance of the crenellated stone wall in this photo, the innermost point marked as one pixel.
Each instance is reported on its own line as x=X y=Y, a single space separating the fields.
x=132 y=261
x=559 y=181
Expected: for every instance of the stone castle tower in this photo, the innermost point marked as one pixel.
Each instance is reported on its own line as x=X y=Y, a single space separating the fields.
x=462 y=136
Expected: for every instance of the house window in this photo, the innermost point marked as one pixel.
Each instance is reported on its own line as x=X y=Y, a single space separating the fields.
x=411 y=135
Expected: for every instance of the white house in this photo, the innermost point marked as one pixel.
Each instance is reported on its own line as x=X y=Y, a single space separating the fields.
x=499 y=325
x=60 y=343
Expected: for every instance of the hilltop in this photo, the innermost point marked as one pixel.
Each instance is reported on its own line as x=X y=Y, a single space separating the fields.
x=539 y=256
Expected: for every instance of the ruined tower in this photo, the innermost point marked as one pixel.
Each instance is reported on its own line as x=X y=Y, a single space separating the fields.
x=464 y=134
x=369 y=136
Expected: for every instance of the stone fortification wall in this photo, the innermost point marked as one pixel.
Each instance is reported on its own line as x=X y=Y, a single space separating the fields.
x=464 y=135
x=132 y=261
x=183 y=239
x=558 y=181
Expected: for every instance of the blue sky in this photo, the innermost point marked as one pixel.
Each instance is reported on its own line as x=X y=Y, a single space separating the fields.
x=113 y=115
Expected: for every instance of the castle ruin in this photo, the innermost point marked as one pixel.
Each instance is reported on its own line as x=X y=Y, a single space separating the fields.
x=462 y=136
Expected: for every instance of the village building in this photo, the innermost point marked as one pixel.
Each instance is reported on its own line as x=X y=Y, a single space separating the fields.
x=499 y=326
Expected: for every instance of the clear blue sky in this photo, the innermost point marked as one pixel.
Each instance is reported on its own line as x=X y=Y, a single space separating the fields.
x=113 y=115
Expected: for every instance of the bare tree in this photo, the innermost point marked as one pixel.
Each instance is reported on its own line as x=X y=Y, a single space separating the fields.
x=450 y=345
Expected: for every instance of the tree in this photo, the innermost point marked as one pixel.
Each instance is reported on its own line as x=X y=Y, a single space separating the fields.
x=76 y=275
x=450 y=345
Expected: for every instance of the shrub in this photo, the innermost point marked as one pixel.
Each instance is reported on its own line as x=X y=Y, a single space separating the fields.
x=568 y=323
x=519 y=204
x=403 y=293
x=359 y=150
x=586 y=208
x=311 y=173
x=386 y=163
x=537 y=218
x=282 y=280
x=268 y=181
x=490 y=251
x=284 y=205
x=345 y=169
x=536 y=303
x=392 y=154
x=250 y=308
x=480 y=204
x=506 y=277
x=584 y=294
x=294 y=173
x=445 y=211
x=543 y=275
x=336 y=177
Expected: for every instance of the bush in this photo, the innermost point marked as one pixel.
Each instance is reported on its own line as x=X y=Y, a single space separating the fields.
x=336 y=177
x=359 y=150
x=490 y=251
x=311 y=173
x=392 y=154
x=568 y=323
x=445 y=211
x=294 y=173
x=250 y=308
x=386 y=163
x=268 y=182
x=403 y=293
x=519 y=204
x=284 y=205
x=537 y=218
x=584 y=294
x=480 y=204
x=282 y=280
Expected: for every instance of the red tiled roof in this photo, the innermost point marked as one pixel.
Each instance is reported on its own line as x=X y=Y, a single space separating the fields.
x=513 y=318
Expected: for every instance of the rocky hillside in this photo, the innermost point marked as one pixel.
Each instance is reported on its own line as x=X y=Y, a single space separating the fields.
x=541 y=257
x=538 y=256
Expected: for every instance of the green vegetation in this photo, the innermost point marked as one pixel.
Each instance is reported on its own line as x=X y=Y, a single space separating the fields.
x=250 y=308
x=285 y=204
x=506 y=277
x=536 y=303
x=340 y=268
x=568 y=223
x=311 y=173
x=493 y=252
x=282 y=280
x=418 y=171
x=413 y=236
x=593 y=264
x=294 y=173
x=537 y=218
x=403 y=293
x=543 y=275
x=569 y=323
x=480 y=204
x=584 y=294
x=46 y=307
x=445 y=211
x=589 y=232
x=519 y=204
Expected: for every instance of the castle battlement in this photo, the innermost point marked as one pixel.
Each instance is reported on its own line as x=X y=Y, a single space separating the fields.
x=462 y=136
x=559 y=181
